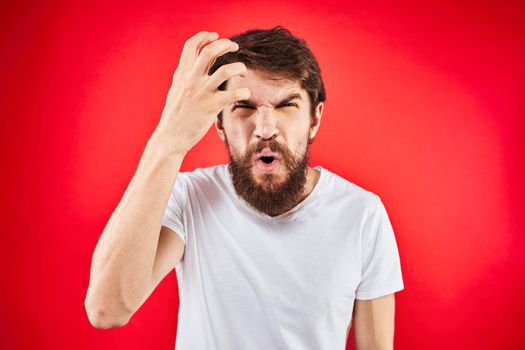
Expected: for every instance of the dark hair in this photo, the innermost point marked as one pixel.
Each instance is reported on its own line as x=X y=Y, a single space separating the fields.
x=278 y=52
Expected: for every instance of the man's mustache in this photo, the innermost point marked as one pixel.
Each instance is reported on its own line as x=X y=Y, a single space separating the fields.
x=274 y=147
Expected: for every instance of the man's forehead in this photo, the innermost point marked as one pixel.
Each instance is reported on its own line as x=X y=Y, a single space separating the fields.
x=265 y=87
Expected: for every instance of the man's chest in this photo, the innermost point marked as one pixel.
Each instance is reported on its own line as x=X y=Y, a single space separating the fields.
x=299 y=273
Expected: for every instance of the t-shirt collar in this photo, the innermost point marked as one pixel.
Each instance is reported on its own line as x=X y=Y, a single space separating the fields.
x=288 y=215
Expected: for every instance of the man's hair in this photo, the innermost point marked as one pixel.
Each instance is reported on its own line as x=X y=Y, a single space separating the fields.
x=277 y=52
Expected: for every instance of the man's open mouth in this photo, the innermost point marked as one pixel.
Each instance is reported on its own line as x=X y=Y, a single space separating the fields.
x=267 y=159
x=267 y=164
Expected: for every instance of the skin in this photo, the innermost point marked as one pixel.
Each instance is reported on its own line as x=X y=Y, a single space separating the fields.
x=264 y=116
x=373 y=322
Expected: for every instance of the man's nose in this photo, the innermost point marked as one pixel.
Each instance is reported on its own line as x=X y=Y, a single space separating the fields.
x=266 y=123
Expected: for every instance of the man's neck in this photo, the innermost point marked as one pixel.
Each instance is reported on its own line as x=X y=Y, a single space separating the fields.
x=312 y=177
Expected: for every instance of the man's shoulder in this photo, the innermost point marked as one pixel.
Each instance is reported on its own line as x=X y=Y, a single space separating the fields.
x=206 y=175
x=214 y=170
x=344 y=189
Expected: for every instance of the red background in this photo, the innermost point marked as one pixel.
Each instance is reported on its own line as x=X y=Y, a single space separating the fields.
x=425 y=108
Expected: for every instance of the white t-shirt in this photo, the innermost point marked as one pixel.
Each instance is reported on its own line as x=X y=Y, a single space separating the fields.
x=251 y=281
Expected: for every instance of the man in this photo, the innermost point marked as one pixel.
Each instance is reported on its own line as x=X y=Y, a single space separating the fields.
x=270 y=253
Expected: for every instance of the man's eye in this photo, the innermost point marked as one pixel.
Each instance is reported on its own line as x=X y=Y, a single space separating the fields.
x=290 y=104
x=242 y=106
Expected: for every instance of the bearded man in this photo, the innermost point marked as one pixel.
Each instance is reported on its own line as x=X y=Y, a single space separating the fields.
x=270 y=253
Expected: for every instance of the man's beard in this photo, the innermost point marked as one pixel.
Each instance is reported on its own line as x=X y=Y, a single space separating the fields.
x=269 y=195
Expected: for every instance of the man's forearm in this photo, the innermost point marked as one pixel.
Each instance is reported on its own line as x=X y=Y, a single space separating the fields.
x=124 y=256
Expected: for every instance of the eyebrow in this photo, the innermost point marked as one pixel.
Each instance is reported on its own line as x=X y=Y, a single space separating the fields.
x=287 y=99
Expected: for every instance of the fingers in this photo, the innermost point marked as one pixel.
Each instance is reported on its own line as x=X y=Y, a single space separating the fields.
x=210 y=53
x=191 y=49
x=227 y=97
x=224 y=73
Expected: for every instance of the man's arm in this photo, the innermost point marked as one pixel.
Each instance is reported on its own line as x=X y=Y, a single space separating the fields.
x=374 y=323
x=129 y=257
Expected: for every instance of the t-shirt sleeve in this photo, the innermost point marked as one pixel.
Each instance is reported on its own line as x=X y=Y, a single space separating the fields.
x=381 y=267
x=174 y=213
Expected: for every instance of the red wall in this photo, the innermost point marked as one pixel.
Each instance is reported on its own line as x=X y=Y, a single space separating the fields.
x=425 y=107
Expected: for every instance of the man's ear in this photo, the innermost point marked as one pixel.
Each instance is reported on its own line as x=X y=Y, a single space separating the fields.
x=316 y=120
x=219 y=127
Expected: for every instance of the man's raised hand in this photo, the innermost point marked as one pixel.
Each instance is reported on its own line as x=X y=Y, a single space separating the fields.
x=194 y=100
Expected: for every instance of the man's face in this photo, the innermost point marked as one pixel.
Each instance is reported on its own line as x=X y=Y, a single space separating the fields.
x=267 y=139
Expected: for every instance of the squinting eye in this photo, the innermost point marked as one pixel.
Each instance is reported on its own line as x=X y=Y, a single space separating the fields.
x=288 y=105
x=242 y=106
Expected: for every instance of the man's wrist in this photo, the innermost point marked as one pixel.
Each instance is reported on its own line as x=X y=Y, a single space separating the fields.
x=165 y=147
